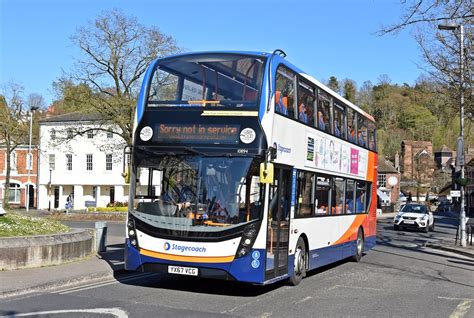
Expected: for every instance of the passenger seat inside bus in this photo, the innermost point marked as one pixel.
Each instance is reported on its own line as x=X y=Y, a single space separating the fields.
x=281 y=103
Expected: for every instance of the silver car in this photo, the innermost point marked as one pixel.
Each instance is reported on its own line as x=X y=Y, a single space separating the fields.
x=414 y=216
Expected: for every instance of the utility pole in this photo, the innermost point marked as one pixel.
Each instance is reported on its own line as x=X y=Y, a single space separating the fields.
x=460 y=145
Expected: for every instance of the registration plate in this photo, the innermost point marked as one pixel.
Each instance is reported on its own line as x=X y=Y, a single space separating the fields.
x=183 y=270
x=409 y=222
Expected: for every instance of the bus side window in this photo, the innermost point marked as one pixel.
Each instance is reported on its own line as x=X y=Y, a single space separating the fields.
x=285 y=92
x=304 y=191
x=337 y=197
x=350 y=196
x=306 y=103
x=362 y=131
x=361 y=196
x=372 y=136
x=324 y=112
x=322 y=195
x=339 y=121
x=351 y=125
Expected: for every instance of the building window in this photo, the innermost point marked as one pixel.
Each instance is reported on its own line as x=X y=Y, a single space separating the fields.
x=108 y=162
x=52 y=134
x=89 y=162
x=90 y=134
x=68 y=162
x=52 y=162
x=15 y=193
x=29 y=161
x=13 y=161
x=382 y=180
x=110 y=135
x=69 y=133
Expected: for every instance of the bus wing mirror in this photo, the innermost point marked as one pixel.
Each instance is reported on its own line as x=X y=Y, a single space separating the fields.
x=266 y=173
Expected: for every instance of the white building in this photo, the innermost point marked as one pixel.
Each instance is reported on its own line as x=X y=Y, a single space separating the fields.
x=88 y=166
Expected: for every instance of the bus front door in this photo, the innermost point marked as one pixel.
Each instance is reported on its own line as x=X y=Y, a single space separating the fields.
x=278 y=223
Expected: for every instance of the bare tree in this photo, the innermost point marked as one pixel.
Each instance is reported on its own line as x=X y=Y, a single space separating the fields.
x=116 y=50
x=441 y=50
x=36 y=101
x=13 y=127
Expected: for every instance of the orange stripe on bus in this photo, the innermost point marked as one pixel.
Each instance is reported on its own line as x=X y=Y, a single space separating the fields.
x=352 y=230
x=191 y=259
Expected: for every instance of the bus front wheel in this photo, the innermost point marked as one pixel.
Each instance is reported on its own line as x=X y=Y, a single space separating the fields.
x=300 y=263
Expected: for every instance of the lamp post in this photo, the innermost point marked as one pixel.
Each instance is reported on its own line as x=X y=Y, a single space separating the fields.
x=460 y=156
x=29 y=159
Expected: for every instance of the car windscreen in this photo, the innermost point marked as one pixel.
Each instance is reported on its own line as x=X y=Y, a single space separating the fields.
x=414 y=208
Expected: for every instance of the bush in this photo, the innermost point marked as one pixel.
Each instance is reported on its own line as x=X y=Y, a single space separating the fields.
x=15 y=224
x=109 y=209
x=117 y=204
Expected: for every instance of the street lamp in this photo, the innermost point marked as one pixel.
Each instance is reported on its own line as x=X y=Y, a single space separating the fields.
x=460 y=156
x=29 y=159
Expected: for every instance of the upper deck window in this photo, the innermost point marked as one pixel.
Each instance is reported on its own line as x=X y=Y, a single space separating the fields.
x=285 y=92
x=362 y=131
x=324 y=112
x=339 y=120
x=306 y=103
x=207 y=80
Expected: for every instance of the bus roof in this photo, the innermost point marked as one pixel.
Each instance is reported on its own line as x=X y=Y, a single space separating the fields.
x=283 y=61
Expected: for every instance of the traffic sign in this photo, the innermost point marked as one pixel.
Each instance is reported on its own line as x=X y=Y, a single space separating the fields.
x=455 y=193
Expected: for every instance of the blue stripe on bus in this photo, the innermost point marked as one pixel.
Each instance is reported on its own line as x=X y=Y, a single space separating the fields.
x=249 y=268
x=144 y=90
x=132 y=258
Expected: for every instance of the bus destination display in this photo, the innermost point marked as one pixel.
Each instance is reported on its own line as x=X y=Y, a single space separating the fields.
x=197 y=133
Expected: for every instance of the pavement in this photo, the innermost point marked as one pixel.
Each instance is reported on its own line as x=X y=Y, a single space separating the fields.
x=109 y=264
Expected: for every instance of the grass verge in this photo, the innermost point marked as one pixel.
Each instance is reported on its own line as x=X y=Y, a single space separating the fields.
x=16 y=224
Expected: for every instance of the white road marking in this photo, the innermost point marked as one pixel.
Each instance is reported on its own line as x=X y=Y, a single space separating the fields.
x=102 y=283
x=355 y=287
x=303 y=300
x=117 y=312
x=461 y=309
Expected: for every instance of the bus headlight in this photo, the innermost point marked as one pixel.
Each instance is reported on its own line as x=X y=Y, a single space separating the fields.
x=248 y=238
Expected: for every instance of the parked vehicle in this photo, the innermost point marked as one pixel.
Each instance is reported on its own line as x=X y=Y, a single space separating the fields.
x=444 y=206
x=414 y=216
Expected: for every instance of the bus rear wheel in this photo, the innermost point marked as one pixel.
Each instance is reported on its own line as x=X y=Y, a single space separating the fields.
x=300 y=263
x=359 y=246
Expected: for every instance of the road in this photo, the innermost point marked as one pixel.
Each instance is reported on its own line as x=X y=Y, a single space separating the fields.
x=398 y=278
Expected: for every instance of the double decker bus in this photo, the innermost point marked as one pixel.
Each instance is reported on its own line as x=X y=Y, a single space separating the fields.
x=245 y=168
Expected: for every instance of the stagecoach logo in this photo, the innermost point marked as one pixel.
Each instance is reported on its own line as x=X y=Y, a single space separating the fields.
x=282 y=149
x=247 y=135
x=146 y=133
x=183 y=248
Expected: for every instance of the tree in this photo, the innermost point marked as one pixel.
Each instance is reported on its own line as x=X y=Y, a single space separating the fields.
x=13 y=128
x=115 y=52
x=349 y=90
x=441 y=49
x=334 y=84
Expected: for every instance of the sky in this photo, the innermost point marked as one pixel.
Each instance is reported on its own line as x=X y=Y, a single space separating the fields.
x=322 y=37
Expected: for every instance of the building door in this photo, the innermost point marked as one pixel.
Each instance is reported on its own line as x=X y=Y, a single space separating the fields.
x=278 y=223
x=31 y=196
x=112 y=195
x=56 y=197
